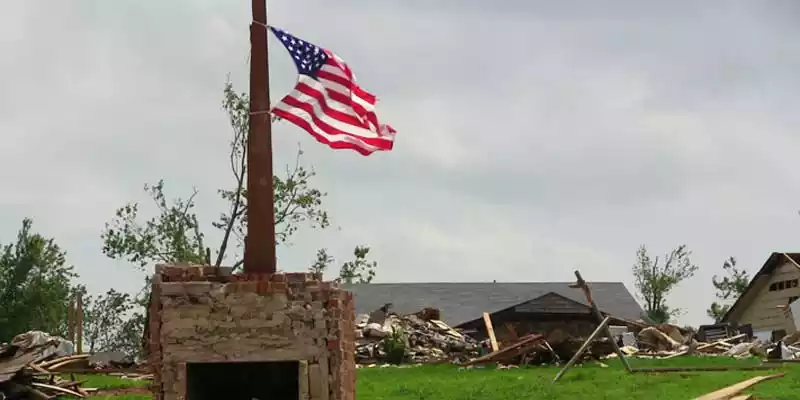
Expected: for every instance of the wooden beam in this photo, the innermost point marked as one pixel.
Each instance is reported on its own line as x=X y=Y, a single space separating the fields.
x=599 y=318
x=791 y=260
x=603 y=325
x=487 y=320
x=79 y=325
x=71 y=320
x=733 y=390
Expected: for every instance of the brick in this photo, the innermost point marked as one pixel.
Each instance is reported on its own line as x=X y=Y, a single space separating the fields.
x=232 y=287
x=247 y=286
x=315 y=383
x=302 y=375
x=335 y=294
x=330 y=304
x=263 y=287
x=296 y=277
x=253 y=317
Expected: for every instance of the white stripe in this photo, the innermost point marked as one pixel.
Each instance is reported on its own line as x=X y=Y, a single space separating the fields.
x=334 y=104
x=337 y=105
x=341 y=89
x=318 y=111
x=318 y=86
x=331 y=138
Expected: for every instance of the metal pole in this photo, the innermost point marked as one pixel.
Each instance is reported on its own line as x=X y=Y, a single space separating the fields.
x=259 y=247
x=582 y=349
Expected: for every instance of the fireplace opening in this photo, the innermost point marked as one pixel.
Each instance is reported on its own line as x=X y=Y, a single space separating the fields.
x=243 y=380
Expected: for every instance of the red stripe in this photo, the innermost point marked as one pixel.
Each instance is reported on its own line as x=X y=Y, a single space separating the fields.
x=347 y=82
x=347 y=100
x=357 y=108
x=333 y=144
x=327 y=128
x=327 y=109
x=349 y=73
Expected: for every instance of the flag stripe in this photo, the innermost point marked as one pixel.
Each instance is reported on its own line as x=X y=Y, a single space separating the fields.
x=340 y=142
x=330 y=105
x=350 y=76
x=362 y=102
x=309 y=108
x=328 y=73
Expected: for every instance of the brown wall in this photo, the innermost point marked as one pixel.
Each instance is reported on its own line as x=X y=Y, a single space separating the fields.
x=576 y=325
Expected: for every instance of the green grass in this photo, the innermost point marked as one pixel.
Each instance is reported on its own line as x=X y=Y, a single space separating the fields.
x=591 y=381
x=101 y=381
x=107 y=382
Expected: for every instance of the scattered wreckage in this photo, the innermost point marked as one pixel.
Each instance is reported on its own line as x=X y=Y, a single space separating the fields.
x=33 y=364
x=425 y=338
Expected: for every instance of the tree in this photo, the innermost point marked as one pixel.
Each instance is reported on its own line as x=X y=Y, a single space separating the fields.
x=174 y=235
x=731 y=286
x=35 y=285
x=104 y=321
x=358 y=270
x=654 y=280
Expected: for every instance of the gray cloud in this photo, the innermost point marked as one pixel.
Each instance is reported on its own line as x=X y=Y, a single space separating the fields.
x=534 y=138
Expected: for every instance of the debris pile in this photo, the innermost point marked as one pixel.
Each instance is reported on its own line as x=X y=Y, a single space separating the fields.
x=422 y=337
x=26 y=366
x=421 y=340
x=32 y=366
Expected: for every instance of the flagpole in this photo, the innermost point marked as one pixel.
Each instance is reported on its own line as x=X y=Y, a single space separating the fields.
x=259 y=246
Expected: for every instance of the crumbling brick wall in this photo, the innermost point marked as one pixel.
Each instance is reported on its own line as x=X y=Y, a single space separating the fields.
x=207 y=314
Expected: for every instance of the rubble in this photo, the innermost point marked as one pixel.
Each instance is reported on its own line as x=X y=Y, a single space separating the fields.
x=384 y=337
x=424 y=341
x=26 y=366
x=32 y=366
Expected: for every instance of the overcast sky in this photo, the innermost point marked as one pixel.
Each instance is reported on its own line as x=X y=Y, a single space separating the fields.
x=534 y=137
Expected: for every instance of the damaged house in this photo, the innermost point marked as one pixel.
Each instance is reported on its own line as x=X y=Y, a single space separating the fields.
x=765 y=302
x=515 y=308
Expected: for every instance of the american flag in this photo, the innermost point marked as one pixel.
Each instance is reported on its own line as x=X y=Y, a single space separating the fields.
x=327 y=102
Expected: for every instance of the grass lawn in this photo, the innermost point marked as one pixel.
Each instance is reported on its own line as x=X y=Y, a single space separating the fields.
x=446 y=382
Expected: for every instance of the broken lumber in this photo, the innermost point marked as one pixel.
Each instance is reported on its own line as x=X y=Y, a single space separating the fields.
x=733 y=390
x=583 y=347
x=599 y=317
x=487 y=320
x=705 y=369
x=526 y=343
x=705 y=346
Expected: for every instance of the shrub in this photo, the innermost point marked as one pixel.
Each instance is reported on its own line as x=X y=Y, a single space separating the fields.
x=394 y=345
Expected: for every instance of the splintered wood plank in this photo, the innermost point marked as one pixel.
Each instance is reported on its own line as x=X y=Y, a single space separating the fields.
x=729 y=392
x=511 y=331
x=490 y=330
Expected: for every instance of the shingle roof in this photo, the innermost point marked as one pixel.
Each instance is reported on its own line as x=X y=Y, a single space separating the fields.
x=463 y=302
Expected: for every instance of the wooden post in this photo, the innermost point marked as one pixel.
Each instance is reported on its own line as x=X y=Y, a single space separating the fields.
x=71 y=320
x=259 y=246
x=599 y=317
x=583 y=347
x=79 y=325
x=487 y=320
